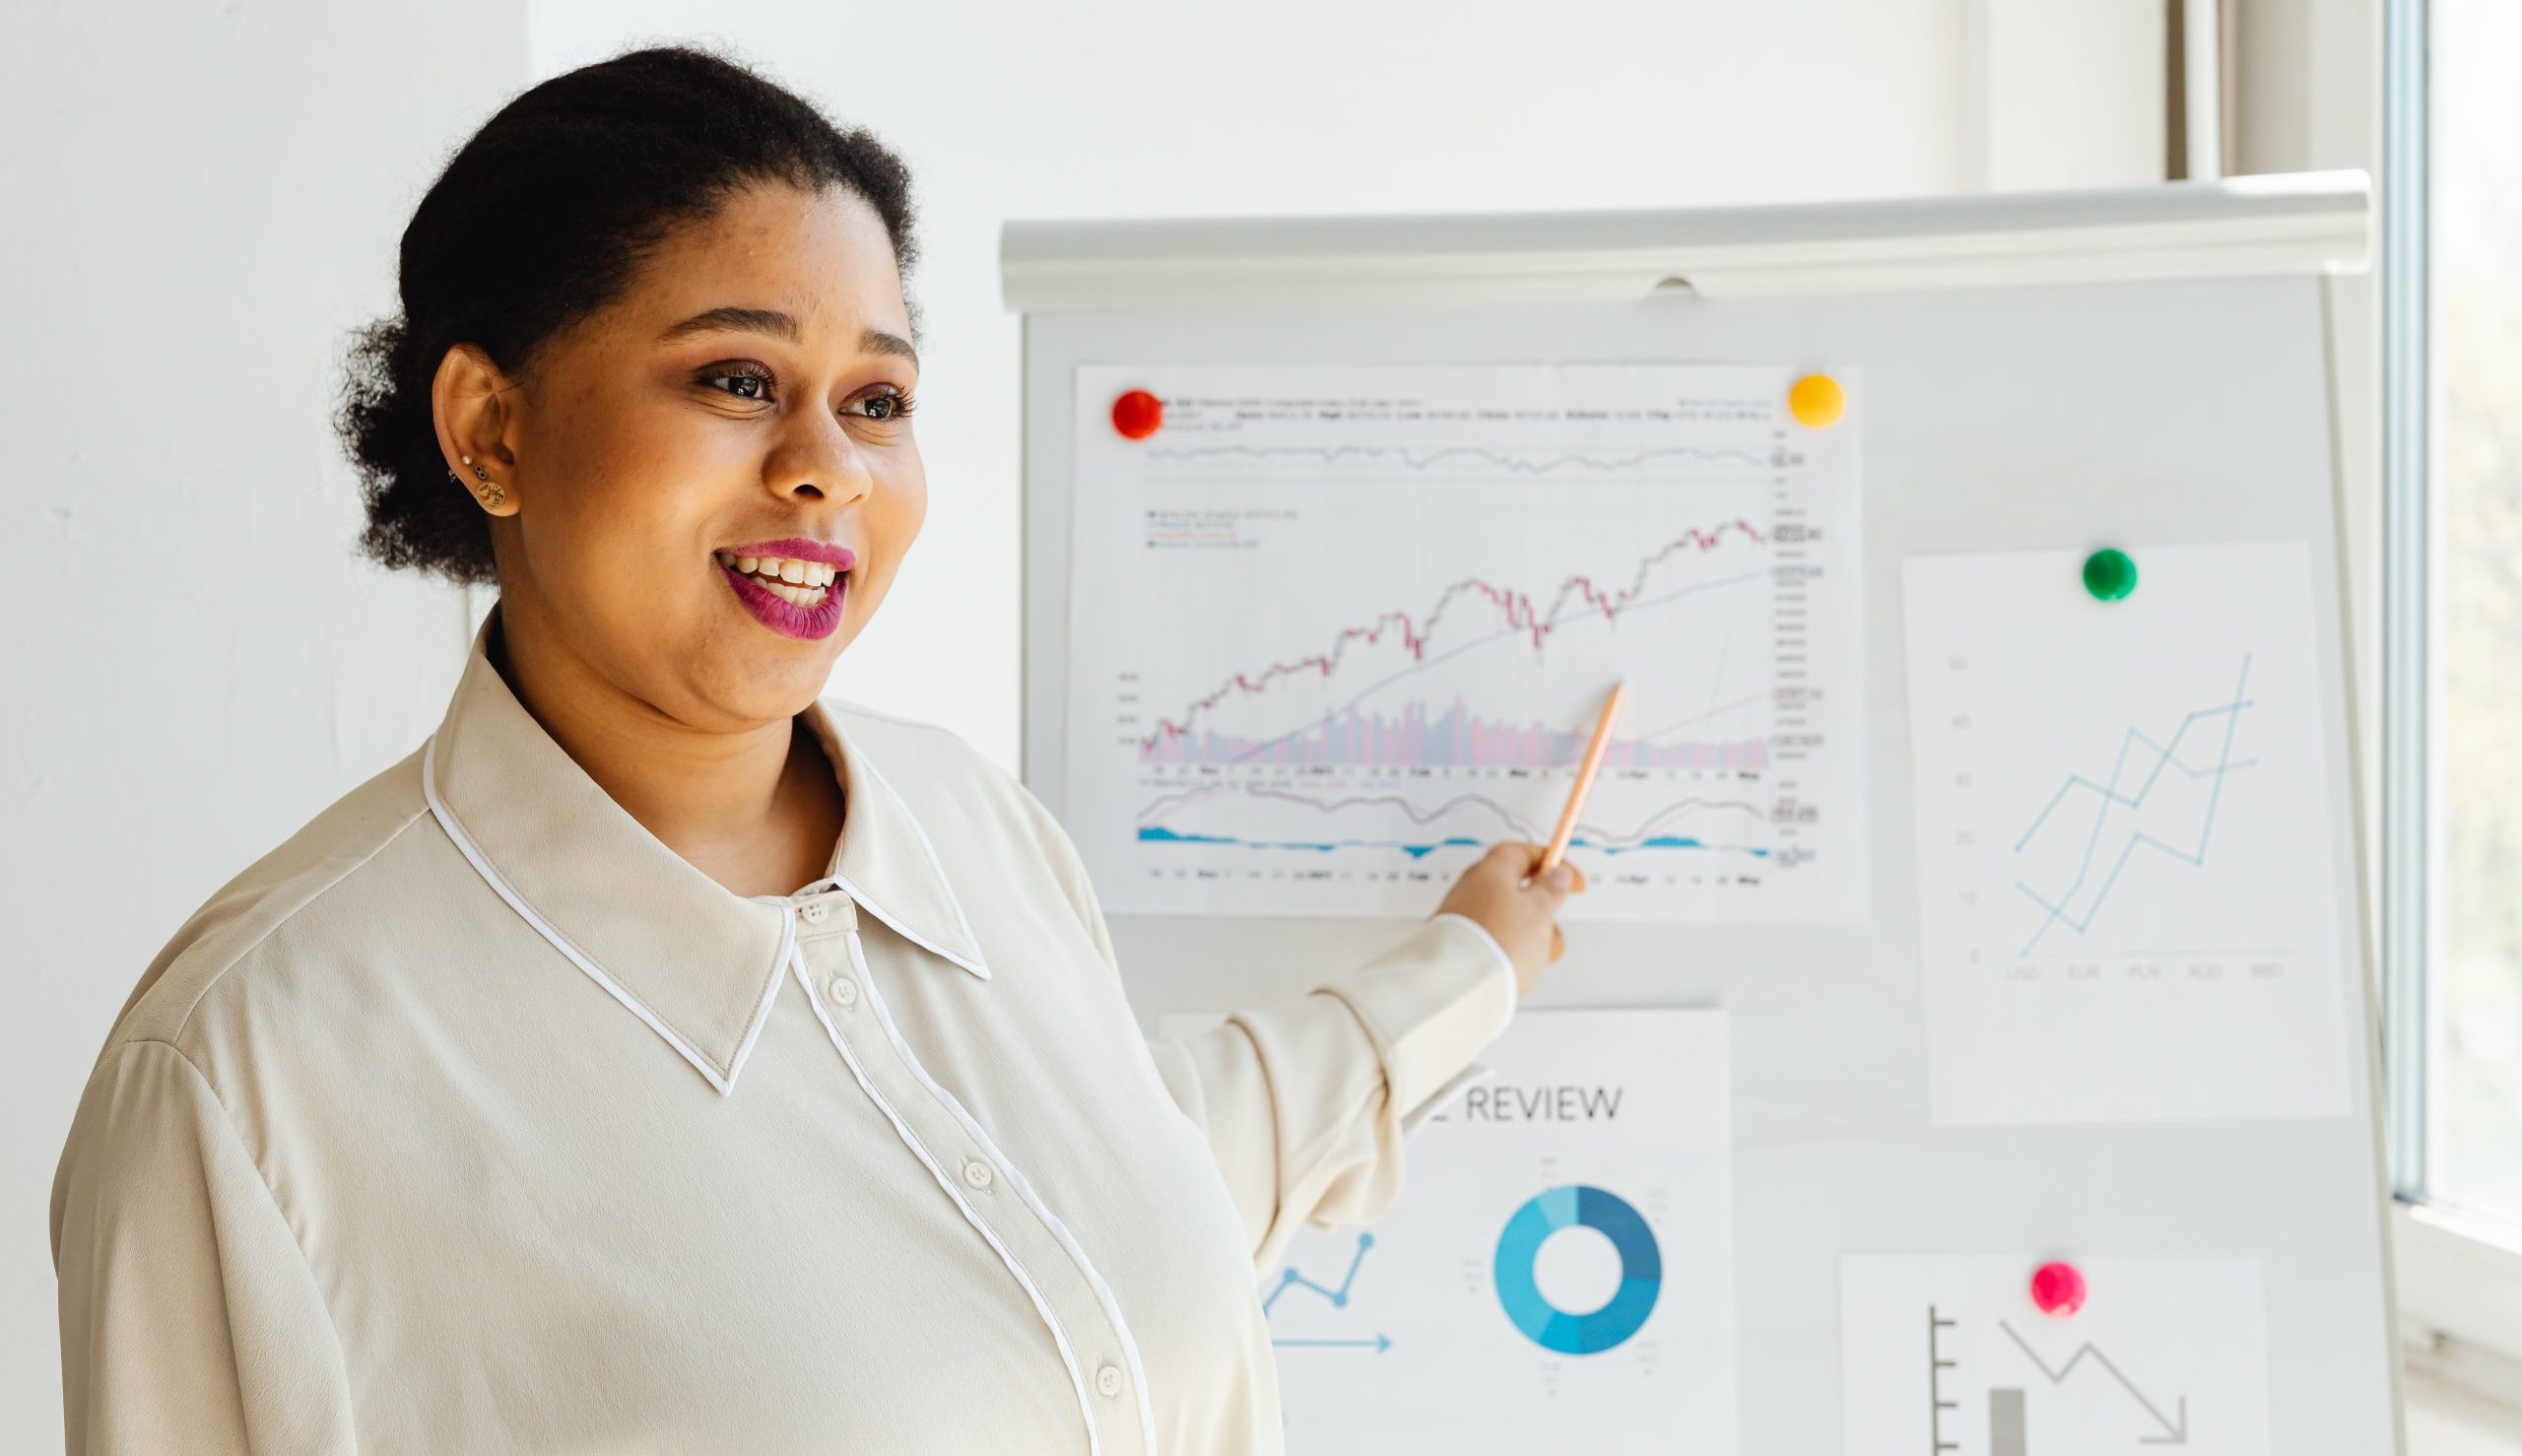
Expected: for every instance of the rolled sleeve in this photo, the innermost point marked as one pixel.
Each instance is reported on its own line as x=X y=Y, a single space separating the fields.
x=1430 y=1004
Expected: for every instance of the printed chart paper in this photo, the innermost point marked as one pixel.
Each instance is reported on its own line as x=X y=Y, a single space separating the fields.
x=1335 y=631
x=2127 y=897
x=1557 y=1272
x=1949 y=1353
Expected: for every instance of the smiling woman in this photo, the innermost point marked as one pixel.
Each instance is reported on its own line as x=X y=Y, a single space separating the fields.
x=427 y=1133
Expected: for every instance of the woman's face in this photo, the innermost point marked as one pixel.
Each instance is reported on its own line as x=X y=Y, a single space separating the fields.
x=714 y=477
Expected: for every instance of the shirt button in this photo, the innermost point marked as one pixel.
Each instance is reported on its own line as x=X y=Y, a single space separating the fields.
x=843 y=991
x=1109 y=1380
x=814 y=914
x=977 y=1173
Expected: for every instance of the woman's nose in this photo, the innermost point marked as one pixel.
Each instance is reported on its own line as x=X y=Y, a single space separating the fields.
x=821 y=464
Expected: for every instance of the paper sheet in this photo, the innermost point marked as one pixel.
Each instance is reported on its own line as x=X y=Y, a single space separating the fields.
x=2126 y=869
x=1336 y=630
x=1557 y=1275
x=1949 y=1353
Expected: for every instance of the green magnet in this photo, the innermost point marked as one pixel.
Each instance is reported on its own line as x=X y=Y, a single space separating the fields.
x=2109 y=574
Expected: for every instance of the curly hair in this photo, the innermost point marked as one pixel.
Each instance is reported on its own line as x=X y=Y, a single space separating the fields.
x=540 y=219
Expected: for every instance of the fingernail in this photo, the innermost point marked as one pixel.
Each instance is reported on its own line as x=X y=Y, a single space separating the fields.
x=1563 y=876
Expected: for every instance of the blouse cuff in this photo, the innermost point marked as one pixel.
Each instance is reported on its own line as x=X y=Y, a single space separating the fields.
x=1431 y=1003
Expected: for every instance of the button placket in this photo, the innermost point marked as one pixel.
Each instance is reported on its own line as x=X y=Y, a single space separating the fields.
x=931 y=1120
x=819 y=918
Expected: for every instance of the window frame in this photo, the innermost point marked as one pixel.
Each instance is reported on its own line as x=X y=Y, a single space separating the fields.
x=2459 y=1275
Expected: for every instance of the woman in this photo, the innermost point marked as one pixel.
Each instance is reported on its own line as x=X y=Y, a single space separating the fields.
x=660 y=1060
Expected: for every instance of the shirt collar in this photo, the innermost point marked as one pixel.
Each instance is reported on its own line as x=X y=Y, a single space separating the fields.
x=696 y=961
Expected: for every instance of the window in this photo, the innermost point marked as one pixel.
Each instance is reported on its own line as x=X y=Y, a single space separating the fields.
x=2474 y=230
x=2454 y=252
x=2451 y=660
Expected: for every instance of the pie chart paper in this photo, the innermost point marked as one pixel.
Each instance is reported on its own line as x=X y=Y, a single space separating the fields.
x=1556 y=1275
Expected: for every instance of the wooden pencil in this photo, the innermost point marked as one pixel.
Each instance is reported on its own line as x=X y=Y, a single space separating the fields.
x=1584 y=785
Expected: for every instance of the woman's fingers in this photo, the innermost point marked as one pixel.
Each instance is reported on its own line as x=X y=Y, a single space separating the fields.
x=1511 y=861
x=1522 y=863
x=1504 y=891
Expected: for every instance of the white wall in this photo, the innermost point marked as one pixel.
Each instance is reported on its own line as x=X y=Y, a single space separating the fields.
x=2061 y=92
x=203 y=197
x=200 y=199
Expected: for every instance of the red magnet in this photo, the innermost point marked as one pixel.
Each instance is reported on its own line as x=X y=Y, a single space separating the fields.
x=2058 y=1287
x=1137 y=414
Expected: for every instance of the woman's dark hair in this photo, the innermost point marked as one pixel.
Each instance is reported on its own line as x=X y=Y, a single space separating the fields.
x=541 y=219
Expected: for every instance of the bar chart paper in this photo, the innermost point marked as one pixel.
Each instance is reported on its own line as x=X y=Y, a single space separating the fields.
x=1948 y=1354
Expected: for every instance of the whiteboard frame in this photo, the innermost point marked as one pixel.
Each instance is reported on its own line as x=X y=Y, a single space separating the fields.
x=2261 y=251
x=2240 y=227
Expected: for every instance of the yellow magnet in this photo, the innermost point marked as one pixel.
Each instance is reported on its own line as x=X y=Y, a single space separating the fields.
x=1817 y=401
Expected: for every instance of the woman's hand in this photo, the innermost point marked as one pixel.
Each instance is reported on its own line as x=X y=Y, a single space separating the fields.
x=1519 y=911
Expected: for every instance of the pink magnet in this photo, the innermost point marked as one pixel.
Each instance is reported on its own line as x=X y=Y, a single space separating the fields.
x=2058 y=1287
x=1137 y=414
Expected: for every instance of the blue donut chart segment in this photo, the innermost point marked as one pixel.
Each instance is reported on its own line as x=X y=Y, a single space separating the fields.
x=1641 y=1269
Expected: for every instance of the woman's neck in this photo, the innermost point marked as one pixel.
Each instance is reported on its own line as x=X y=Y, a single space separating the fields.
x=758 y=810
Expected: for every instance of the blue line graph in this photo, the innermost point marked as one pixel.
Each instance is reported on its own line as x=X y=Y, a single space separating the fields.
x=2110 y=795
x=1337 y=1298
x=1421 y=849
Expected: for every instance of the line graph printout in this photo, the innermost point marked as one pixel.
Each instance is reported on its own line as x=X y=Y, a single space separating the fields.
x=1948 y=1354
x=2127 y=897
x=1335 y=631
x=1557 y=1272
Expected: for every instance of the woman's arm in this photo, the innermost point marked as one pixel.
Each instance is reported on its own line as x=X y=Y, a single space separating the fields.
x=189 y=1319
x=1305 y=1105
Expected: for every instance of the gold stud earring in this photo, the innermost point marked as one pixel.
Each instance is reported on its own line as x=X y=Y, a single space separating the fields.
x=492 y=493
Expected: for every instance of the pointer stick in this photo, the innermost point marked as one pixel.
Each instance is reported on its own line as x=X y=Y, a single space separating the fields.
x=1584 y=781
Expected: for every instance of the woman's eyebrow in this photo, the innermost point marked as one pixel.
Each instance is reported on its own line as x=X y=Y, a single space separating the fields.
x=731 y=317
x=736 y=318
x=877 y=341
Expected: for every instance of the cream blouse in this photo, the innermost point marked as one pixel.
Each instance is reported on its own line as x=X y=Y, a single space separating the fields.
x=473 y=1119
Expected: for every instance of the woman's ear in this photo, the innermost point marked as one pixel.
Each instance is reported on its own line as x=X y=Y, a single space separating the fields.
x=469 y=398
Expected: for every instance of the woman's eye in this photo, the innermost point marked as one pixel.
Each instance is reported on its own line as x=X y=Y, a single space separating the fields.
x=746 y=381
x=754 y=383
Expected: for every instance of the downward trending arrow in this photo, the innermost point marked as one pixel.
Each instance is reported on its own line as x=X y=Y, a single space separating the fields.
x=2174 y=1433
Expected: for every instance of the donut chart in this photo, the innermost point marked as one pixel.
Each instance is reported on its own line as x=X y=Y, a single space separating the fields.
x=1641 y=1269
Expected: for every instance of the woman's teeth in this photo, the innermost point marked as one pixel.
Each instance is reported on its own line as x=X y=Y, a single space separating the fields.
x=805 y=583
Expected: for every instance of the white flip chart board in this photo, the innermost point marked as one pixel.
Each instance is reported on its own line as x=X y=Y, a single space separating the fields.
x=2073 y=967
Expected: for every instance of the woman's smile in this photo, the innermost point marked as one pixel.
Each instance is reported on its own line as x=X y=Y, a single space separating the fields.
x=794 y=586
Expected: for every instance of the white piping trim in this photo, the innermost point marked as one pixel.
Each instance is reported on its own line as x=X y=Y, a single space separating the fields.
x=867 y=903
x=953 y=901
x=723 y=1082
x=1007 y=1166
x=762 y=1011
x=1042 y=1306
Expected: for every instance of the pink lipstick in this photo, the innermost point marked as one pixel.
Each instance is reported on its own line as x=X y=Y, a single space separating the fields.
x=794 y=586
